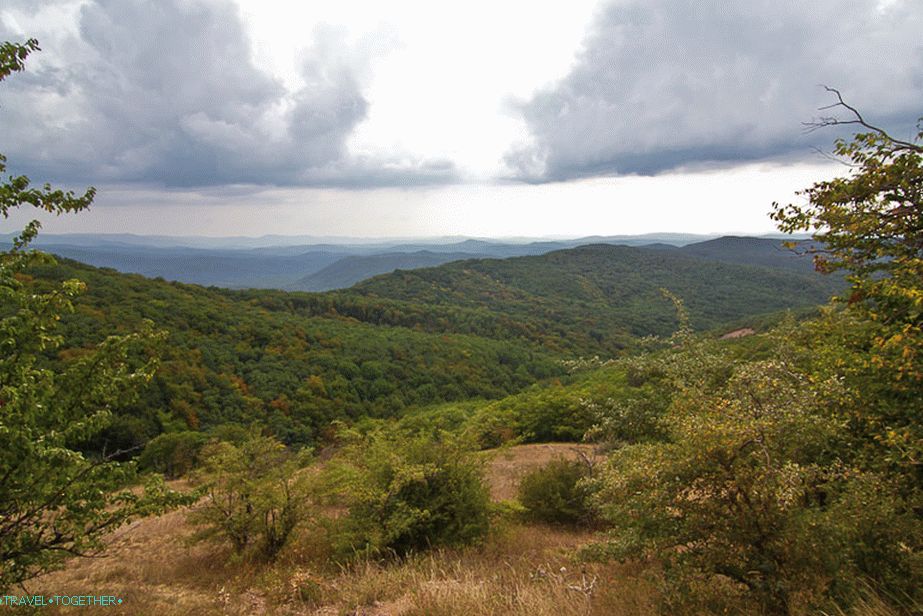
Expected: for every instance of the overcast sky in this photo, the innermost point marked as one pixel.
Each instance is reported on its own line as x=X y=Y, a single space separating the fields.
x=513 y=118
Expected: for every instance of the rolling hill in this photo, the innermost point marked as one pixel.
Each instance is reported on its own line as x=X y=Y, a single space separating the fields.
x=230 y=359
x=471 y=329
x=283 y=263
x=232 y=269
x=753 y=251
x=600 y=296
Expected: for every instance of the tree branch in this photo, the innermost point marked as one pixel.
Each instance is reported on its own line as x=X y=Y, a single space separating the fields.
x=826 y=121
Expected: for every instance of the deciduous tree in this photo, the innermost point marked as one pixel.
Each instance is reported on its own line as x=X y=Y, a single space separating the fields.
x=869 y=223
x=55 y=501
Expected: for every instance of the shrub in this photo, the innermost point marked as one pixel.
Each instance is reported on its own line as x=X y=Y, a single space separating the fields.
x=250 y=494
x=233 y=433
x=751 y=496
x=173 y=454
x=555 y=493
x=544 y=413
x=408 y=494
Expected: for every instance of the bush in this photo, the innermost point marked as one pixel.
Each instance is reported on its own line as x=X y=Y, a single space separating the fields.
x=250 y=494
x=550 y=412
x=233 y=433
x=173 y=454
x=752 y=497
x=408 y=494
x=555 y=493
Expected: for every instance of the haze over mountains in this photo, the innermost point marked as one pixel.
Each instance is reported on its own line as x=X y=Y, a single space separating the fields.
x=305 y=263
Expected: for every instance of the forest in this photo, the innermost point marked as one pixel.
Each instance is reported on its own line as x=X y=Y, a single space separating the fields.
x=296 y=362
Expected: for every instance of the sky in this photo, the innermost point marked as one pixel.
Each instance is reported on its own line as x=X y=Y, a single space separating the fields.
x=407 y=119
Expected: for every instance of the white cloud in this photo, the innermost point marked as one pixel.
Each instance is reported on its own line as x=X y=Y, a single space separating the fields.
x=662 y=84
x=358 y=117
x=167 y=91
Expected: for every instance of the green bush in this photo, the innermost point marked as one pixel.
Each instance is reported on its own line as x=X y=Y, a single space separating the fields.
x=551 y=411
x=408 y=494
x=231 y=432
x=752 y=497
x=174 y=454
x=556 y=494
x=250 y=494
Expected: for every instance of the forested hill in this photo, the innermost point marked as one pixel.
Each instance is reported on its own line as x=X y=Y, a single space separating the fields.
x=754 y=251
x=228 y=359
x=604 y=292
x=471 y=329
x=235 y=264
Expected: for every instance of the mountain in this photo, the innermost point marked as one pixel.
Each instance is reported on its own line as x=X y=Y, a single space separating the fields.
x=353 y=245
x=475 y=328
x=602 y=292
x=754 y=251
x=765 y=252
x=584 y=301
x=244 y=357
x=222 y=268
x=287 y=261
x=350 y=270
x=281 y=262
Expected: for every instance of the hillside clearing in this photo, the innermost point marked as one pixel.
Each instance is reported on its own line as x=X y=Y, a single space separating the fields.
x=508 y=466
x=155 y=568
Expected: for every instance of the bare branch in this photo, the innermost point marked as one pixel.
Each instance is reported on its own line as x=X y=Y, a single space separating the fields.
x=833 y=158
x=825 y=121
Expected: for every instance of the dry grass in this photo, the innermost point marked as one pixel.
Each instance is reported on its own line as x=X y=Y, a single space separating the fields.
x=148 y=563
x=529 y=572
x=871 y=603
x=156 y=569
x=526 y=570
x=507 y=467
x=520 y=570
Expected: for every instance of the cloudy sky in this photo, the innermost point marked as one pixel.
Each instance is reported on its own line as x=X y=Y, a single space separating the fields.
x=400 y=119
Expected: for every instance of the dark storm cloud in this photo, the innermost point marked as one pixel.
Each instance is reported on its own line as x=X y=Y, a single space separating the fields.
x=165 y=91
x=661 y=84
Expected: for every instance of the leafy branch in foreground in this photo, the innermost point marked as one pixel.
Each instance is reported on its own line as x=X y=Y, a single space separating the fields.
x=870 y=224
x=55 y=501
x=16 y=191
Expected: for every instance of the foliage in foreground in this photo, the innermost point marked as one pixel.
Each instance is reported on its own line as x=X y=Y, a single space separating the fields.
x=55 y=501
x=408 y=494
x=754 y=494
x=790 y=480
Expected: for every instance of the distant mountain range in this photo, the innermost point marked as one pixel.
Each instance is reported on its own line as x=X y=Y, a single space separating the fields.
x=349 y=270
x=302 y=263
x=299 y=243
x=754 y=251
